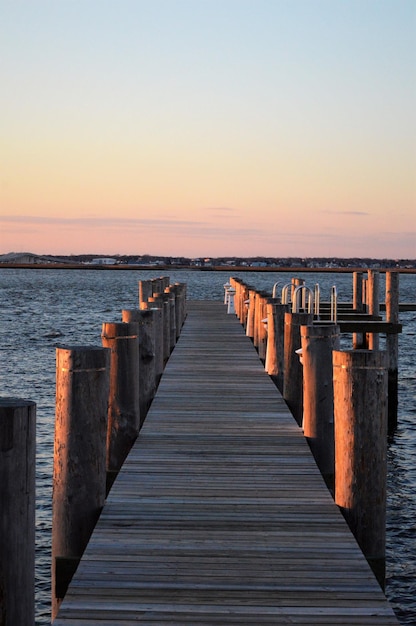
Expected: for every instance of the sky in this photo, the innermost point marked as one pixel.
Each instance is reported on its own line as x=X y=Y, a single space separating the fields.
x=208 y=128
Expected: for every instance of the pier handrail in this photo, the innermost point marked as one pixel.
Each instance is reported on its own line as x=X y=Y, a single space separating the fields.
x=286 y=293
x=299 y=299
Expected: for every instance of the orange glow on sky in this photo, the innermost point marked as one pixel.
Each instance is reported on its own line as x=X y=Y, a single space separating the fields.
x=209 y=129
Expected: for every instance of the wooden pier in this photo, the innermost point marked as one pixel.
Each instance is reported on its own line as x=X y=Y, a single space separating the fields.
x=219 y=515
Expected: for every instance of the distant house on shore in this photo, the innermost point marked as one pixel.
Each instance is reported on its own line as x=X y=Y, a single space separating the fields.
x=104 y=261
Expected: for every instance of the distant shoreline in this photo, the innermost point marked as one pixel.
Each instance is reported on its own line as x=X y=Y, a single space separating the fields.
x=214 y=268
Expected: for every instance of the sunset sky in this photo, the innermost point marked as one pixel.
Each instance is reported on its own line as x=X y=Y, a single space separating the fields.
x=208 y=127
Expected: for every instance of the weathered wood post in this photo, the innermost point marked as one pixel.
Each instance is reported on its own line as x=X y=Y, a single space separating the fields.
x=181 y=291
x=156 y=305
x=357 y=305
x=373 y=300
x=296 y=282
x=261 y=329
x=318 y=342
x=79 y=477
x=157 y=286
x=165 y=299
x=160 y=284
x=145 y=319
x=293 y=374
x=242 y=295
x=124 y=394
x=357 y=292
x=17 y=511
x=256 y=318
x=236 y=285
x=165 y=282
x=145 y=290
x=172 y=316
x=251 y=313
x=392 y=347
x=244 y=305
x=360 y=408
x=177 y=291
x=274 y=364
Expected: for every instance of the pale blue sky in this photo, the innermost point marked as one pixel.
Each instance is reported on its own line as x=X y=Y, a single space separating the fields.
x=295 y=116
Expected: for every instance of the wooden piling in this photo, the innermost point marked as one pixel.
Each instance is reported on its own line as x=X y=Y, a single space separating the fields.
x=373 y=302
x=251 y=313
x=357 y=292
x=156 y=305
x=360 y=409
x=160 y=284
x=237 y=285
x=166 y=305
x=172 y=316
x=145 y=290
x=179 y=293
x=392 y=347
x=274 y=364
x=17 y=511
x=318 y=342
x=245 y=297
x=358 y=339
x=79 y=477
x=293 y=375
x=124 y=395
x=260 y=330
x=242 y=295
x=145 y=319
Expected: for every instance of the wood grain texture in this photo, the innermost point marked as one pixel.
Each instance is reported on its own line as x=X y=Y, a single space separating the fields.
x=219 y=514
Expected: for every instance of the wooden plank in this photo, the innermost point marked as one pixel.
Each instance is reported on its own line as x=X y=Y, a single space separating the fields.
x=219 y=514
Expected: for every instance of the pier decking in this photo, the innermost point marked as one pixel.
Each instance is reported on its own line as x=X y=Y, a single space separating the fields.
x=219 y=514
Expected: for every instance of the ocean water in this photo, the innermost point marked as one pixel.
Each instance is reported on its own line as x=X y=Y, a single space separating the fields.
x=41 y=309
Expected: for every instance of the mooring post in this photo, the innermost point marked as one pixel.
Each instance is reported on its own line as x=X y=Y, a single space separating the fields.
x=242 y=296
x=244 y=305
x=296 y=282
x=256 y=316
x=172 y=317
x=145 y=290
x=317 y=343
x=261 y=325
x=274 y=364
x=165 y=299
x=17 y=511
x=293 y=374
x=145 y=319
x=358 y=306
x=360 y=409
x=158 y=286
x=373 y=301
x=79 y=476
x=165 y=282
x=392 y=346
x=176 y=289
x=156 y=304
x=357 y=292
x=124 y=395
x=236 y=285
x=182 y=293
x=251 y=313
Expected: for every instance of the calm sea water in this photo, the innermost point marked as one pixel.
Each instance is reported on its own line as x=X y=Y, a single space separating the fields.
x=43 y=308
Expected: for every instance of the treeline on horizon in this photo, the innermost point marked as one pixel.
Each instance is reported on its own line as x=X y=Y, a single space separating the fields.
x=148 y=259
x=254 y=262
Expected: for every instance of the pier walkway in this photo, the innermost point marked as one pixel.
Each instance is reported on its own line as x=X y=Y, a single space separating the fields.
x=219 y=515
